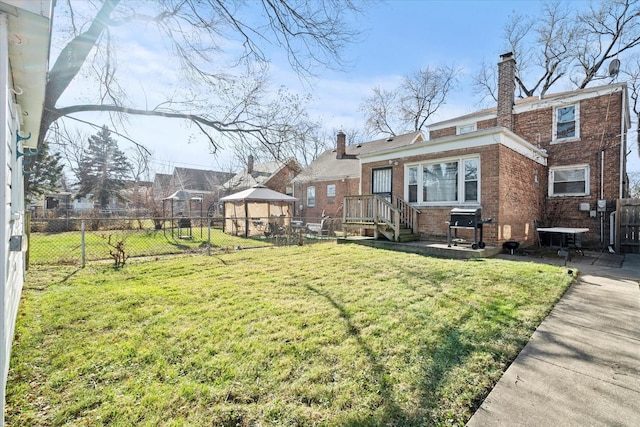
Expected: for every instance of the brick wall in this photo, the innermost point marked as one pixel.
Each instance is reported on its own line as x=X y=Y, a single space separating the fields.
x=280 y=180
x=600 y=120
x=522 y=188
x=344 y=187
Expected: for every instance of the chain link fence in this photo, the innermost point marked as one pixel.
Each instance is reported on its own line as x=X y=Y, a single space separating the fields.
x=77 y=241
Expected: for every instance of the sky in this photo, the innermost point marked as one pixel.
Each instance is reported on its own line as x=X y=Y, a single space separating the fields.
x=397 y=37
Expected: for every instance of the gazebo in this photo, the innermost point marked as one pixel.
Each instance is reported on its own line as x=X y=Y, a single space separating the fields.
x=258 y=211
x=184 y=219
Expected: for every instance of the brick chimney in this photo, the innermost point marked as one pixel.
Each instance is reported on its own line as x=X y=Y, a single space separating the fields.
x=250 y=164
x=341 y=145
x=506 y=89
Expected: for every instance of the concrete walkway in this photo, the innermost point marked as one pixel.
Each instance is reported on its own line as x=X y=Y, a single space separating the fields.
x=582 y=365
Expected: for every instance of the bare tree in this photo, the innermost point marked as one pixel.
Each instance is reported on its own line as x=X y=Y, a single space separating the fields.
x=197 y=34
x=561 y=44
x=542 y=47
x=409 y=107
x=607 y=30
x=381 y=112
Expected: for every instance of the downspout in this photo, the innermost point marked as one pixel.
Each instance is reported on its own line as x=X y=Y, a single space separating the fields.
x=602 y=197
x=612 y=231
x=623 y=133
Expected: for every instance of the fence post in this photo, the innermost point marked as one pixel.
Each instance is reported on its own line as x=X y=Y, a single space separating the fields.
x=82 y=262
x=208 y=236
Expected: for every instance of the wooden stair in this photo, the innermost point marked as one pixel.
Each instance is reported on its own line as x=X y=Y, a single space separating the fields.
x=397 y=222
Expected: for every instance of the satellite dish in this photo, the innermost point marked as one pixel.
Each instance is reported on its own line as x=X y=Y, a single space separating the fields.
x=614 y=68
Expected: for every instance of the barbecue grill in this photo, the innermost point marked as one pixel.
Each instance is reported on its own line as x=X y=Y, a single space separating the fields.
x=470 y=219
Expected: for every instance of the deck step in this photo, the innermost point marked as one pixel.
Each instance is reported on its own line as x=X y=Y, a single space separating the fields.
x=408 y=237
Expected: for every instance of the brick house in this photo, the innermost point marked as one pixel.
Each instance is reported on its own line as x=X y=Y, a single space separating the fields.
x=322 y=186
x=558 y=160
x=274 y=175
x=204 y=186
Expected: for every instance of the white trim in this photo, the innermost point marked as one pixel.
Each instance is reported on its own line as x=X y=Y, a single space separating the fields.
x=466 y=128
x=576 y=119
x=569 y=98
x=481 y=138
x=533 y=105
x=587 y=178
x=462 y=120
x=460 y=160
x=314 y=196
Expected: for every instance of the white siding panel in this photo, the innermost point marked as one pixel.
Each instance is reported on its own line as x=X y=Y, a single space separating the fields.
x=11 y=215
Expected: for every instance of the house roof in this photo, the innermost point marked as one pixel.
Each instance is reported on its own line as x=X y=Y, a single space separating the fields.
x=484 y=137
x=162 y=179
x=532 y=102
x=199 y=179
x=260 y=174
x=327 y=167
x=29 y=23
x=259 y=193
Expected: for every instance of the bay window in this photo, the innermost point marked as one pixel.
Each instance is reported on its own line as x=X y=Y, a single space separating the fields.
x=445 y=182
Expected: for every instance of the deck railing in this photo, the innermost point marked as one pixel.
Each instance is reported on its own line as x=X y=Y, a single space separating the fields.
x=408 y=214
x=371 y=209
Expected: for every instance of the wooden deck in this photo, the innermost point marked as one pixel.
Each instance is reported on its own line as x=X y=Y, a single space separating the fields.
x=396 y=221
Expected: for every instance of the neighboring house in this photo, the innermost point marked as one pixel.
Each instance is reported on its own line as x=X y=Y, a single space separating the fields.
x=322 y=186
x=25 y=28
x=138 y=196
x=273 y=175
x=557 y=160
x=204 y=186
x=161 y=187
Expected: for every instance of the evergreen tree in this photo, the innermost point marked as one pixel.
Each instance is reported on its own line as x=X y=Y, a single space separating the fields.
x=44 y=173
x=102 y=169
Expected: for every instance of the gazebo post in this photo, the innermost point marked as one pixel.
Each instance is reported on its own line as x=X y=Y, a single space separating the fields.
x=246 y=219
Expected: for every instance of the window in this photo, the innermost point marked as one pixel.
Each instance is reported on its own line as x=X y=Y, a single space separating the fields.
x=413 y=184
x=440 y=182
x=566 y=123
x=450 y=182
x=569 y=181
x=331 y=193
x=381 y=182
x=311 y=197
x=466 y=129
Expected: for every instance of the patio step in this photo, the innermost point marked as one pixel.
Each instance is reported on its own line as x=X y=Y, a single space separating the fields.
x=408 y=237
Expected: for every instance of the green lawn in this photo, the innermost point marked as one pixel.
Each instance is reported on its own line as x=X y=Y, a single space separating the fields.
x=65 y=248
x=330 y=335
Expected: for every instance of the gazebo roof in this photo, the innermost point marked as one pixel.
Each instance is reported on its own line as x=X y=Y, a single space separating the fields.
x=182 y=195
x=259 y=193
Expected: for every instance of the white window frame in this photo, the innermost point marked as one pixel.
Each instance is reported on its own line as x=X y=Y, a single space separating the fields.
x=460 y=184
x=576 y=137
x=587 y=179
x=462 y=129
x=311 y=196
x=331 y=193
